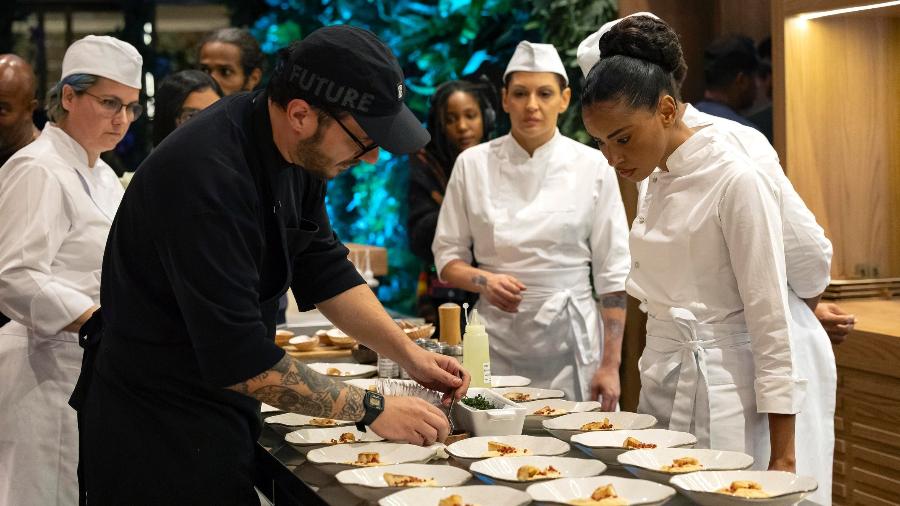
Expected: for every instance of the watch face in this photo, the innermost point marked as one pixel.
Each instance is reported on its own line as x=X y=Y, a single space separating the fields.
x=375 y=401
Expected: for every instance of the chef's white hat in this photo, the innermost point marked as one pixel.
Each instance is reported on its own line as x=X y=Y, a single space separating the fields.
x=531 y=57
x=105 y=57
x=589 y=50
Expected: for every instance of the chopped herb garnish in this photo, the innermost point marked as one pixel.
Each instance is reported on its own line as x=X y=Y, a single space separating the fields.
x=478 y=402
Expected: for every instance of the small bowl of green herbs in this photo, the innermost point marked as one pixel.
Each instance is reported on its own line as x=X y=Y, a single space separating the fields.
x=478 y=402
x=483 y=412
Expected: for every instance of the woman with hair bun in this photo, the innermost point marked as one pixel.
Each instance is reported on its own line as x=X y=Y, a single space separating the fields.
x=708 y=261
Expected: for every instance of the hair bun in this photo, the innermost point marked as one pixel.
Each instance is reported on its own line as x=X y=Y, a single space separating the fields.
x=648 y=39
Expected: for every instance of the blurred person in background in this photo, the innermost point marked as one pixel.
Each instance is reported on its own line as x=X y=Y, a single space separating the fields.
x=179 y=97
x=461 y=116
x=233 y=58
x=730 y=66
x=57 y=200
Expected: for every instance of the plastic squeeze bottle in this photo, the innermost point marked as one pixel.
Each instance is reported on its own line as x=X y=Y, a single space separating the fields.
x=476 y=352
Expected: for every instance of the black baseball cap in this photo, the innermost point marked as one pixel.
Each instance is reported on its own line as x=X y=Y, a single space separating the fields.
x=348 y=68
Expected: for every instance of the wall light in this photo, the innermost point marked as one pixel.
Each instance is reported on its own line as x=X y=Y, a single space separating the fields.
x=846 y=10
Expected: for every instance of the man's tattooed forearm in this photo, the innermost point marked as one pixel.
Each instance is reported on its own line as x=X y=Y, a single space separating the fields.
x=292 y=386
x=479 y=280
x=613 y=300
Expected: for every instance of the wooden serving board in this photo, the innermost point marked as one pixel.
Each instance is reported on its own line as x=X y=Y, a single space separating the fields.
x=318 y=353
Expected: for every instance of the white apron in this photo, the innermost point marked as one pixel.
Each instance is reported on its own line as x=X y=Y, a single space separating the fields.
x=555 y=339
x=698 y=378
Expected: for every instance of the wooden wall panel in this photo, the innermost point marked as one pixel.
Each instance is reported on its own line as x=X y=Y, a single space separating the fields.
x=841 y=137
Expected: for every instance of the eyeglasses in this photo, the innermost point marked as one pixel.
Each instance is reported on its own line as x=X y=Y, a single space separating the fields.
x=113 y=106
x=363 y=149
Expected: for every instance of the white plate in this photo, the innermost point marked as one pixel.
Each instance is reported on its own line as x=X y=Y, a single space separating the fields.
x=480 y=495
x=647 y=464
x=566 y=426
x=535 y=422
x=509 y=381
x=298 y=420
x=634 y=491
x=786 y=488
x=535 y=393
x=607 y=445
x=469 y=450
x=335 y=458
x=266 y=408
x=324 y=435
x=368 y=482
x=348 y=370
x=502 y=470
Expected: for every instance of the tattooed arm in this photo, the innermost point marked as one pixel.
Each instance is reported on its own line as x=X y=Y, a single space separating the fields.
x=292 y=386
x=605 y=384
x=501 y=290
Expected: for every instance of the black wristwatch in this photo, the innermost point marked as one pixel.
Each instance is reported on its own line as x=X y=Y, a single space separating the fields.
x=373 y=402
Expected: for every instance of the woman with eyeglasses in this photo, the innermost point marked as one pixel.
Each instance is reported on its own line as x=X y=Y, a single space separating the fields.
x=180 y=96
x=57 y=202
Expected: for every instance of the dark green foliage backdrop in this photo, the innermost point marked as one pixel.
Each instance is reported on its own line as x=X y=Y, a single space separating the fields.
x=435 y=41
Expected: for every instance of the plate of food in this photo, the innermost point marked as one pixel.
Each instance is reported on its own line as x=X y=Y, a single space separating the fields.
x=307 y=439
x=374 y=483
x=343 y=370
x=298 y=420
x=608 y=445
x=509 y=381
x=339 y=457
x=520 y=472
x=303 y=343
x=661 y=464
x=545 y=409
x=526 y=394
x=600 y=491
x=472 y=495
x=566 y=426
x=472 y=449
x=740 y=488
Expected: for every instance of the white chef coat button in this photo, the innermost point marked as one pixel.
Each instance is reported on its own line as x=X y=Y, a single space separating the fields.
x=637 y=265
x=640 y=219
x=654 y=179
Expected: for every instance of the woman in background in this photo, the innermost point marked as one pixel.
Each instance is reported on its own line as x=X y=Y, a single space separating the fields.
x=708 y=261
x=461 y=116
x=180 y=96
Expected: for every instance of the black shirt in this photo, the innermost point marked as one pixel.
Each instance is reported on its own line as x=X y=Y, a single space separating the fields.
x=214 y=227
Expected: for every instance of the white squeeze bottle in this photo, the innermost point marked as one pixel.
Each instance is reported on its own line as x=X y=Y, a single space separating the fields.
x=476 y=352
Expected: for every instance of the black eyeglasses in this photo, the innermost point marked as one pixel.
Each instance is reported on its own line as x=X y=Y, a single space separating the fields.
x=112 y=106
x=363 y=149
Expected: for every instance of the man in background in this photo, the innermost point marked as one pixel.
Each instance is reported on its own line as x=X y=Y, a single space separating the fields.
x=729 y=68
x=17 y=103
x=233 y=58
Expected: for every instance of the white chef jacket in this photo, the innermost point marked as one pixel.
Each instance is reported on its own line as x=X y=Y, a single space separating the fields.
x=554 y=220
x=56 y=214
x=808 y=261
x=707 y=242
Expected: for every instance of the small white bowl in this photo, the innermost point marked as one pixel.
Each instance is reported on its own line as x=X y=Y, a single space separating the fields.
x=368 y=482
x=303 y=343
x=535 y=422
x=482 y=495
x=634 y=491
x=509 y=381
x=503 y=470
x=566 y=426
x=785 y=488
x=473 y=449
x=335 y=458
x=310 y=438
x=607 y=445
x=534 y=393
x=647 y=464
x=347 y=370
x=506 y=420
x=298 y=420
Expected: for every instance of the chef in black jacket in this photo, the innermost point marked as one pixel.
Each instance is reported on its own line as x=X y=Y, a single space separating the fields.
x=218 y=222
